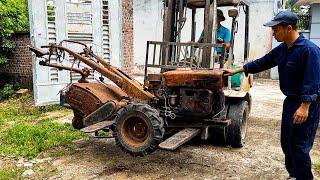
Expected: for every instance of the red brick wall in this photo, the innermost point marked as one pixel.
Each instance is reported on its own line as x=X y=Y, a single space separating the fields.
x=19 y=69
x=127 y=36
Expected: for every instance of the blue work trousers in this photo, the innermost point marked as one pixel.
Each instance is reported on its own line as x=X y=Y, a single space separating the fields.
x=297 y=139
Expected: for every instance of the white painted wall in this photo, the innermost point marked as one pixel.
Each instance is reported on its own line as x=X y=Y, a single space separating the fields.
x=315 y=23
x=115 y=32
x=148 y=26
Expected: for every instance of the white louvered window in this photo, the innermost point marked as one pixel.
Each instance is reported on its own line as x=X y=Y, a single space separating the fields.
x=79 y=28
x=106 y=30
x=52 y=38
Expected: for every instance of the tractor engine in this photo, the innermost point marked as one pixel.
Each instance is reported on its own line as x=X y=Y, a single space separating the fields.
x=196 y=102
x=189 y=92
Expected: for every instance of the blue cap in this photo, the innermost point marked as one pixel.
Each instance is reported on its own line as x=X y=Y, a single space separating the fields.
x=286 y=17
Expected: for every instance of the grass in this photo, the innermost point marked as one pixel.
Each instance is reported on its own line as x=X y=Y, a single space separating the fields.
x=10 y=174
x=25 y=138
x=22 y=110
x=29 y=140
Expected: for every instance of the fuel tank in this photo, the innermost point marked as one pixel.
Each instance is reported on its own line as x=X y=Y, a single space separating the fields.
x=206 y=79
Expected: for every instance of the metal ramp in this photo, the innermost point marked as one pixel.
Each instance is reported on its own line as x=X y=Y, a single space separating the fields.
x=96 y=127
x=179 y=138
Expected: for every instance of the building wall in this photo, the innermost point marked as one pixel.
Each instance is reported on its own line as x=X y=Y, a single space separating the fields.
x=127 y=36
x=315 y=23
x=19 y=69
x=260 y=37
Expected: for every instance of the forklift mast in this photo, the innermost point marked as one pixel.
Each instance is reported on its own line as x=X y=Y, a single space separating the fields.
x=175 y=17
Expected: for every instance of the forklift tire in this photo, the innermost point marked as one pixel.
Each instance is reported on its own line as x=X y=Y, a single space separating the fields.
x=236 y=132
x=77 y=120
x=248 y=98
x=138 y=129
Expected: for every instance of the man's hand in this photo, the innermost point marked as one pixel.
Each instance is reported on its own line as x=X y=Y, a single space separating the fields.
x=301 y=113
x=230 y=72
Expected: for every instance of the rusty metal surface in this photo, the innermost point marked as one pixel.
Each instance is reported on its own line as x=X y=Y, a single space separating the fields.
x=206 y=79
x=201 y=3
x=195 y=123
x=87 y=97
x=97 y=126
x=105 y=112
x=179 y=138
x=85 y=72
x=153 y=81
x=134 y=130
x=196 y=102
x=129 y=85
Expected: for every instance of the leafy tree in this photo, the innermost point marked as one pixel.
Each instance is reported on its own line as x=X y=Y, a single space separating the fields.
x=13 y=18
x=295 y=8
x=302 y=12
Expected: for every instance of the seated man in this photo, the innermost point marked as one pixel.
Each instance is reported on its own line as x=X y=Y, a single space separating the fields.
x=223 y=33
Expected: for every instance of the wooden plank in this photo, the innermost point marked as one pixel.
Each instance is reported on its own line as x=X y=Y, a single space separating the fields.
x=179 y=138
x=97 y=126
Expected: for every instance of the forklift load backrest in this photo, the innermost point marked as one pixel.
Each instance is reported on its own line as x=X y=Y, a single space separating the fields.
x=202 y=3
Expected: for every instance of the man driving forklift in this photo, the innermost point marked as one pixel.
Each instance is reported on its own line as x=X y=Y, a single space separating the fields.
x=223 y=33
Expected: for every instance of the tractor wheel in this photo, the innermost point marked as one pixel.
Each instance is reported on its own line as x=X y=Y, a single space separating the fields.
x=138 y=129
x=77 y=120
x=236 y=132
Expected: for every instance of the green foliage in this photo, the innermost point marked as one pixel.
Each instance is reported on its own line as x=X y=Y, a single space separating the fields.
x=13 y=18
x=7 y=92
x=22 y=110
x=3 y=60
x=297 y=9
x=51 y=13
x=9 y=174
x=29 y=140
x=303 y=13
x=27 y=130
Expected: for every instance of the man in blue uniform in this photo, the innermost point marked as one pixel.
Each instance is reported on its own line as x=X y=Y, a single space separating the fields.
x=298 y=61
x=223 y=33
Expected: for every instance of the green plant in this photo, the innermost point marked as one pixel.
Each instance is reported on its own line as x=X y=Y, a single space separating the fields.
x=13 y=18
x=7 y=92
x=29 y=140
x=10 y=173
x=303 y=13
x=22 y=110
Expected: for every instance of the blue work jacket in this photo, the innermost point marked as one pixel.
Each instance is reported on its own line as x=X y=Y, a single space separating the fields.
x=298 y=67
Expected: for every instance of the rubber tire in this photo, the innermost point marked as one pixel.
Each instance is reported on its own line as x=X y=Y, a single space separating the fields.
x=77 y=120
x=238 y=113
x=248 y=98
x=154 y=125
